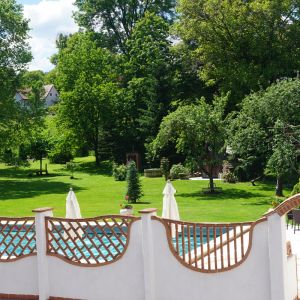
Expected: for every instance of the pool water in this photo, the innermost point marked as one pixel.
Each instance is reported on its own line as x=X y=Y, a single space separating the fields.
x=14 y=243
x=100 y=247
x=91 y=247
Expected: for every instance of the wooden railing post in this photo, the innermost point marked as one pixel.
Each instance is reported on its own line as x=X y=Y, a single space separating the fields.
x=277 y=256
x=148 y=255
x=42 y=265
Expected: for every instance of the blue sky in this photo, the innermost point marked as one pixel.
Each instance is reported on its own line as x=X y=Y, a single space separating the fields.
x=47 y=18
x=28 y=1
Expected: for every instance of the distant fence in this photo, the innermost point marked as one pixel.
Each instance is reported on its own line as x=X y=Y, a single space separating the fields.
x=17 y=238
x=209 y=247
x=93 y=241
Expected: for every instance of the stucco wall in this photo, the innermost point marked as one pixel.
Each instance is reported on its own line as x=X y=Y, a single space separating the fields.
x=248 y=281
x=19 y=277
x=292 y=276
x=122 y=279
x=129 y=277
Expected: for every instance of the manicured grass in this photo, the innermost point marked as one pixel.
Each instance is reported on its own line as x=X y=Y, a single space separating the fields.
x=99 y=194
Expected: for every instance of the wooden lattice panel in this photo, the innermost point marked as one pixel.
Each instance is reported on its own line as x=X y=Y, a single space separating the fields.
x=93 y=241
x=209 y=247
x=17 y=238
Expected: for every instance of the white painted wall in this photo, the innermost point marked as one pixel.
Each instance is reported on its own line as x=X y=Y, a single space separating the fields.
x=52 y=97
x=249 y=281
x=19 y=277
x=292 y=277
x=130 y=277
x=122 y=279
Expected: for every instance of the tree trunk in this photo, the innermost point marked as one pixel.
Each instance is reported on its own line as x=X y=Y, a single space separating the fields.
x=97 y=154
x=211 y=183
x=279 y=186
x=41 y=166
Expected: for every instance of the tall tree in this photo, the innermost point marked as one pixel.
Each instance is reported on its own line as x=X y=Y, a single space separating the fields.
x=87 y=82
x=30 y=78
x=242 y=45
x=198 y=132
x=145 y=81
x=115 y=19
x=265 y=129
x=14 y=55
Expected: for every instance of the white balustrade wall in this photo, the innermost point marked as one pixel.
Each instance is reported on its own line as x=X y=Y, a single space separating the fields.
x=149 y=270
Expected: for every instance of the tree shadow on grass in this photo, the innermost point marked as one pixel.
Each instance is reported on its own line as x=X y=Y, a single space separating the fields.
x=258 y=203
x=14 y=189
x=236 y=194
x=20 y=173
x=90 y=168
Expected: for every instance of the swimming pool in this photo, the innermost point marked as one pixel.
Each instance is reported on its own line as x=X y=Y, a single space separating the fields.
x=103 y=247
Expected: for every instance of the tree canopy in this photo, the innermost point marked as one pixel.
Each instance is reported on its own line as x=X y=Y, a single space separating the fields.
x=266 y=130
x=14 y=55
x=115 y=19
x=87 y=82
x=242 y=46
x=198 y=132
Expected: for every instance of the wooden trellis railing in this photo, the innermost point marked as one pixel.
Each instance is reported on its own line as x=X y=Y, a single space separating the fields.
x=209 y=247
x=93 y=241
x=17 y=238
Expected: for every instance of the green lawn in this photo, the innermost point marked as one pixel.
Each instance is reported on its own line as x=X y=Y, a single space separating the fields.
x=99 y=194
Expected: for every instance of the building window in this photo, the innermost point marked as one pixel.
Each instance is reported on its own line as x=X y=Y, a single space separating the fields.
x=50 y=94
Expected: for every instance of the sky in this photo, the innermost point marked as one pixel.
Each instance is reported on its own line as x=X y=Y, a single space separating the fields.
x=47 y=18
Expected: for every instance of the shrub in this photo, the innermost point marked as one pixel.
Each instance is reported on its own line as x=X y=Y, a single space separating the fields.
x=134 y=188
x=275 y=202
x=230 y=177
x=165 y=167
x=56 y=156
x=71 y=167
x=296 y=189
x=119 y=172
x=151 y=173
x=179 y=171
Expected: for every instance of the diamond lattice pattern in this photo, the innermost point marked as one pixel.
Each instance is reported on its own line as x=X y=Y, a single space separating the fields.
x=88 y=241
x=17 y=238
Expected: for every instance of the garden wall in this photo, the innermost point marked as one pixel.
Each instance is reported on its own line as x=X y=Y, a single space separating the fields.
x=149 y=266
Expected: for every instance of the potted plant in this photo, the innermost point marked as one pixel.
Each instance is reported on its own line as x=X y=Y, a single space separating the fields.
x=126 y=208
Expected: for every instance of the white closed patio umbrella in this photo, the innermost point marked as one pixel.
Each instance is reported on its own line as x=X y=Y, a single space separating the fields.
x=170 y=208
x=72 y=206
x=72 y=212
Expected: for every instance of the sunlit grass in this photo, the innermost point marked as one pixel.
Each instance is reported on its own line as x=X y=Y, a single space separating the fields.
x=99 y=194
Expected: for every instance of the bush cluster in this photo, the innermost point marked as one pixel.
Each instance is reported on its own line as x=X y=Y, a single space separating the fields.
x=230 y=177
x=119 y=172
x=179 y=172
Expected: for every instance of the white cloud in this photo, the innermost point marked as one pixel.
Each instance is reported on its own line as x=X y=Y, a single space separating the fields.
x=48 y=18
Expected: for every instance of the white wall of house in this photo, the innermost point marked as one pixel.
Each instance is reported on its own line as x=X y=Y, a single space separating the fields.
x=18 y=97
x=52 y=97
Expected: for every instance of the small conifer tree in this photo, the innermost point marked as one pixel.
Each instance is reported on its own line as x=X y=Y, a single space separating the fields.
x=134 y=188
x=165 y=167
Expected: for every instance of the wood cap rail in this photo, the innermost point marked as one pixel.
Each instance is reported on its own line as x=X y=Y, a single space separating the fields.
x=42 y=209
x=148 y=210
x=286 y=206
